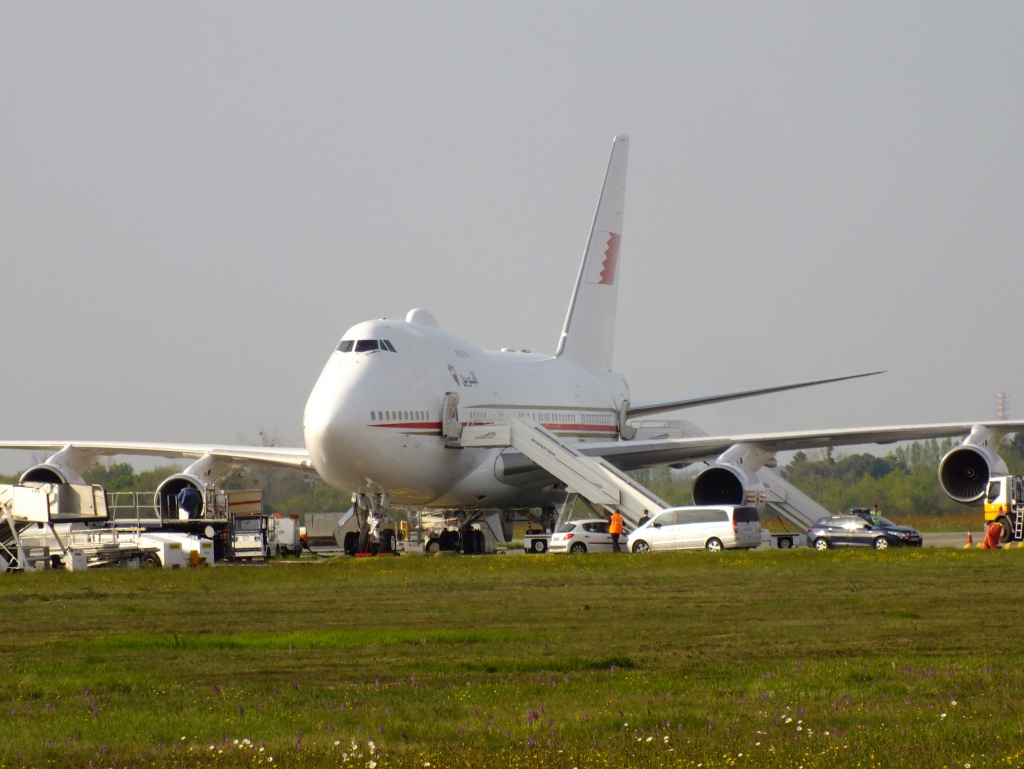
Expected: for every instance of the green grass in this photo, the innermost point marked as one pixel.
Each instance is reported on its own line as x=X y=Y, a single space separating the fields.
x=790 y=658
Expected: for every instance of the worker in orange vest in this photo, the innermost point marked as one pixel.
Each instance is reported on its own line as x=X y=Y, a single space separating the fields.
x=993 y=536
x=615 y=529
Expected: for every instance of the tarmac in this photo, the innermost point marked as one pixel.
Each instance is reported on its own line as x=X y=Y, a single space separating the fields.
x=949 y=538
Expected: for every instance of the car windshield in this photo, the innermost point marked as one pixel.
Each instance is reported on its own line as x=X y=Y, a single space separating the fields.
x=880 y=521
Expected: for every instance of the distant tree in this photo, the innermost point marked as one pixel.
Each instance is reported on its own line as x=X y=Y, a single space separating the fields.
x=670 y=485
x=117 y=476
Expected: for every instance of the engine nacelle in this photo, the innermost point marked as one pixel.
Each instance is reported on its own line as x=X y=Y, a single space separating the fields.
x=166 y=498
x=723 y=484
x=47 y=473
x=964 y=472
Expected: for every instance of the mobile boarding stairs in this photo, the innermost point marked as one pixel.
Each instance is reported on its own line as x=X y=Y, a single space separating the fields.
x=603 y=485
x=596 y=480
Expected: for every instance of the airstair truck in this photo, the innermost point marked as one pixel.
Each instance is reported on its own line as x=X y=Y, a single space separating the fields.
x=1004 y=504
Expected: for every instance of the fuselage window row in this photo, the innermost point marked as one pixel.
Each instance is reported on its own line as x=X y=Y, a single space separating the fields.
x=377 y=416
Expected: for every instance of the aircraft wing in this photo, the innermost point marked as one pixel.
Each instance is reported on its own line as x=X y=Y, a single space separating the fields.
x=646 y=408
x=638 y=454
x=276 y=456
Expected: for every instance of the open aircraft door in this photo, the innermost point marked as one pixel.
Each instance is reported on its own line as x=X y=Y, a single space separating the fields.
x=451 y=425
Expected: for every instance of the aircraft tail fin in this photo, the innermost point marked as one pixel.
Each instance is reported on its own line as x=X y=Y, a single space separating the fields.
x=588 y=334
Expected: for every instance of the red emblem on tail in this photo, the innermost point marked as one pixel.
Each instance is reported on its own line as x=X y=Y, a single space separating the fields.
x=611 y=260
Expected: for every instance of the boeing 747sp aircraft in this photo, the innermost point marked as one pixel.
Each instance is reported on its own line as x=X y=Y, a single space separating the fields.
x=408 y=414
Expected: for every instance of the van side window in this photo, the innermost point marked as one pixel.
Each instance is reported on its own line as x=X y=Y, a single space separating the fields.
x=709 y=515
x=665 y=519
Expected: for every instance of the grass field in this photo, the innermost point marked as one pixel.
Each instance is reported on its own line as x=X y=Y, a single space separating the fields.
x=799 y=658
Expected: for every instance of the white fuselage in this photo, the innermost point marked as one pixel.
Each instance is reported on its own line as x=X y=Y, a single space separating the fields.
x=373 y=422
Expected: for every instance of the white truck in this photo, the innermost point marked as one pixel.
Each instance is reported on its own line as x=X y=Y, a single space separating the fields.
x=287 y=534
x=249 y=537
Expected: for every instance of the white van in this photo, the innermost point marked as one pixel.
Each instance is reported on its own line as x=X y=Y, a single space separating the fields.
x=711 y=527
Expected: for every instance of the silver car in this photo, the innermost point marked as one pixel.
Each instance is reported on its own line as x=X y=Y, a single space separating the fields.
x=589 y=535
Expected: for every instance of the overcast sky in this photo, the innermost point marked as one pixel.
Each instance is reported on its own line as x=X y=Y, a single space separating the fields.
x=197 y=199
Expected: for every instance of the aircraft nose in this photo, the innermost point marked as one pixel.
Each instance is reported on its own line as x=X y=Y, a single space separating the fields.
x=331 y=431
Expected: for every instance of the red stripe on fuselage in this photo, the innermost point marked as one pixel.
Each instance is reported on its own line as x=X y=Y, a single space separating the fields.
x=555 y=427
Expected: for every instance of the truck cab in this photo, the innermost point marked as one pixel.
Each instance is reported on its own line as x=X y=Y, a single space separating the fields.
x=1004 y=504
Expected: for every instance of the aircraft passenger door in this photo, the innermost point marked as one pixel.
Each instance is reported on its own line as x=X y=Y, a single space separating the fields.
x=451 y=425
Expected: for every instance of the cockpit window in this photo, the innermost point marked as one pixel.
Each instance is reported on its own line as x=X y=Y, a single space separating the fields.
x=365 y=345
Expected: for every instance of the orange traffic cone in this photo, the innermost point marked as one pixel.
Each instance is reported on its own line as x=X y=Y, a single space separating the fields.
x=970 y=540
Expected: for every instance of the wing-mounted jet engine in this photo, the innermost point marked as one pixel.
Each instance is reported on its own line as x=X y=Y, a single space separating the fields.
x=965 y=471
x=66 y=466
x=201 y=477
x=731 y=479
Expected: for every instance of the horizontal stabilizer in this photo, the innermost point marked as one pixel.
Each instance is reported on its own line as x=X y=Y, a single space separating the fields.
x=646 y=408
